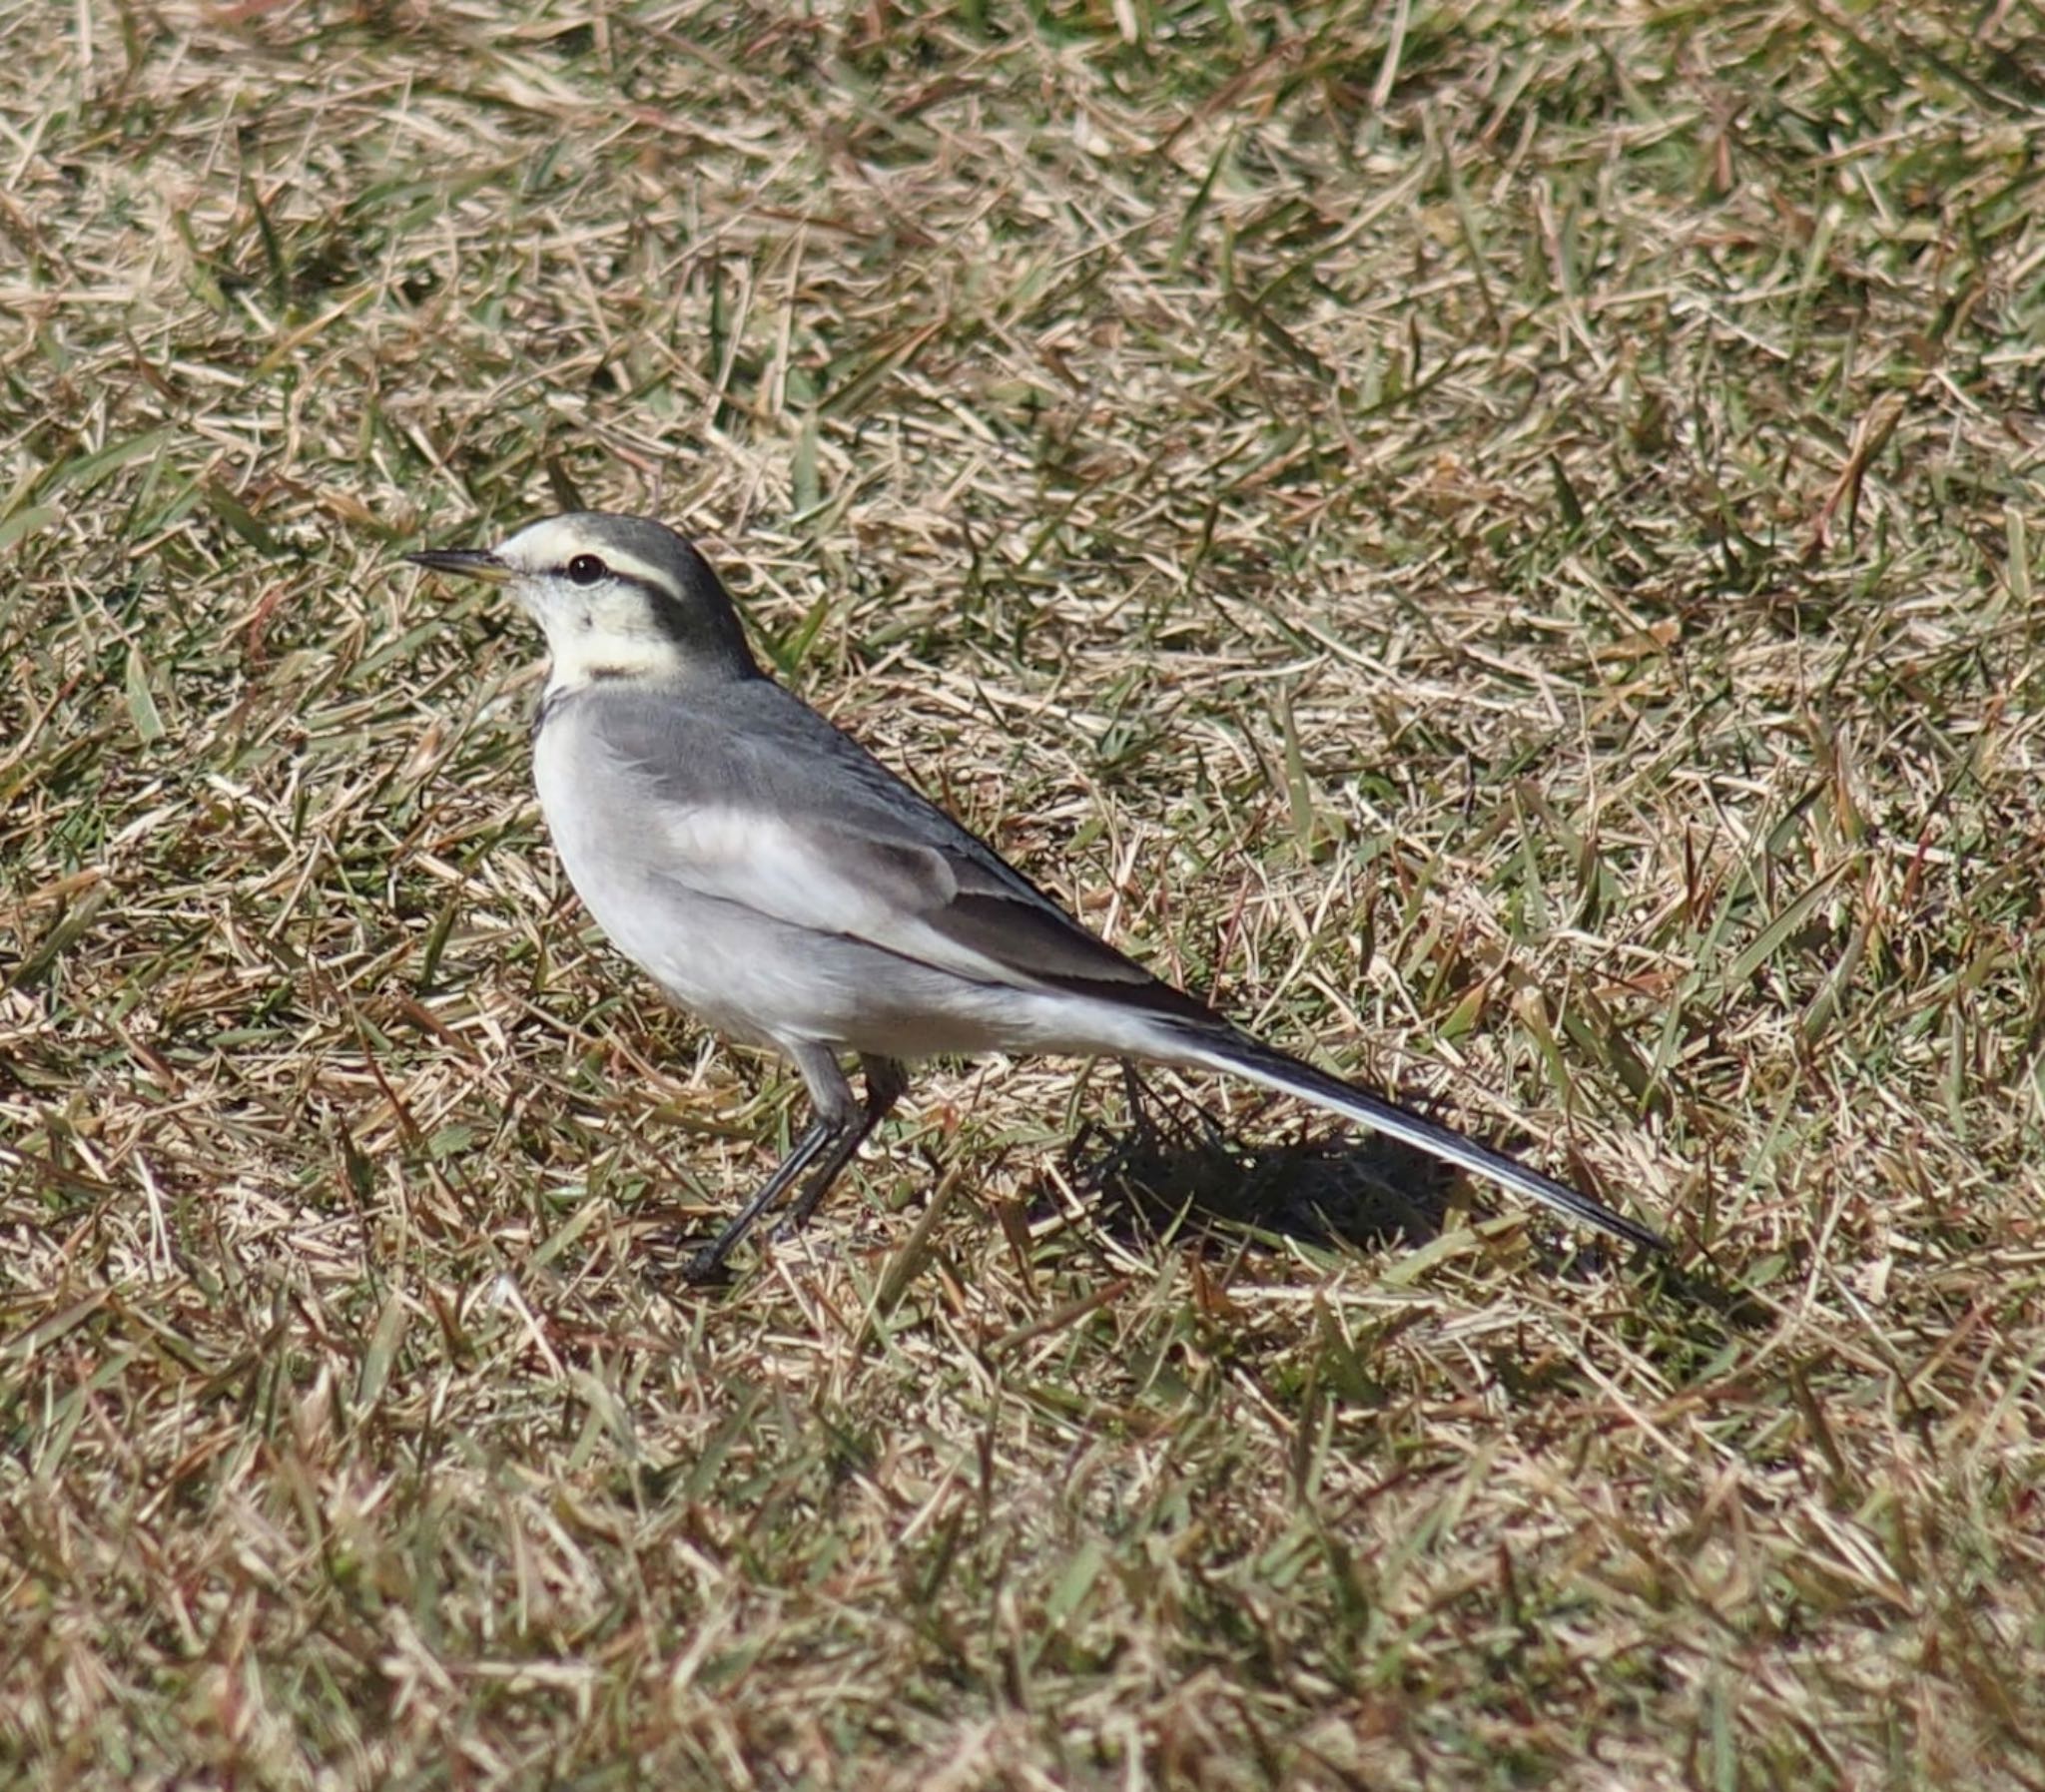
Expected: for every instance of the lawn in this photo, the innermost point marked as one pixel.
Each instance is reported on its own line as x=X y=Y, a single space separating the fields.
x=1497 y=541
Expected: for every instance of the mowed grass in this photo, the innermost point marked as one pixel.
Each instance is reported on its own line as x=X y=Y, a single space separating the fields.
x=1498 y=540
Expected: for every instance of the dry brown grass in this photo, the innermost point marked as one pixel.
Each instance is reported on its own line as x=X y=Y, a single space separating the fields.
x=1498 y=539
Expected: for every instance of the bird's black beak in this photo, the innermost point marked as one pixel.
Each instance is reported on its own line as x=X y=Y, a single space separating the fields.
x=464 y=562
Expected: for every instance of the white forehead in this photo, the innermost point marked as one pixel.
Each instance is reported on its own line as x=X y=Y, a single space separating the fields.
x=549 y=544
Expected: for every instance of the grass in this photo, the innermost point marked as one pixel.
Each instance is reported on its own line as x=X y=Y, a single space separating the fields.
x=1498 y=539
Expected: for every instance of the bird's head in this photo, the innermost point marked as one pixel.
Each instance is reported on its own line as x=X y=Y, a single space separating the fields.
x=618 y=597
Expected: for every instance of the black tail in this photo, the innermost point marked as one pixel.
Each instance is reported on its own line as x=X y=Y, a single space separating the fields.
x=1241 y=1055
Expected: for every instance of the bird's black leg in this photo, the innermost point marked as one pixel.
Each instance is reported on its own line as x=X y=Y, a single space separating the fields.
x=887 y=1078
x=837 y=1130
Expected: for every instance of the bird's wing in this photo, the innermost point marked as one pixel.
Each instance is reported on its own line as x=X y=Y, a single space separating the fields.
x=770 y=806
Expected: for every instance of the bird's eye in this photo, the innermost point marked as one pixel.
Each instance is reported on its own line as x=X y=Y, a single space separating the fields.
x=588 y=569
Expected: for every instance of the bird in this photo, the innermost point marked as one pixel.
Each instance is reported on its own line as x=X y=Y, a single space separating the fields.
x=779 y=883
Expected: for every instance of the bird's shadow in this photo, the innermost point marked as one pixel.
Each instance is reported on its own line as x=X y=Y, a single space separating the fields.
x=1175 y=1162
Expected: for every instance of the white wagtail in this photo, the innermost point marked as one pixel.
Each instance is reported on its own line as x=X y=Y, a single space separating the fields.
x=779 y=882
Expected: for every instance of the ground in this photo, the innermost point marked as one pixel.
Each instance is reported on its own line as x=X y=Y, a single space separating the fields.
x=1496 y=540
